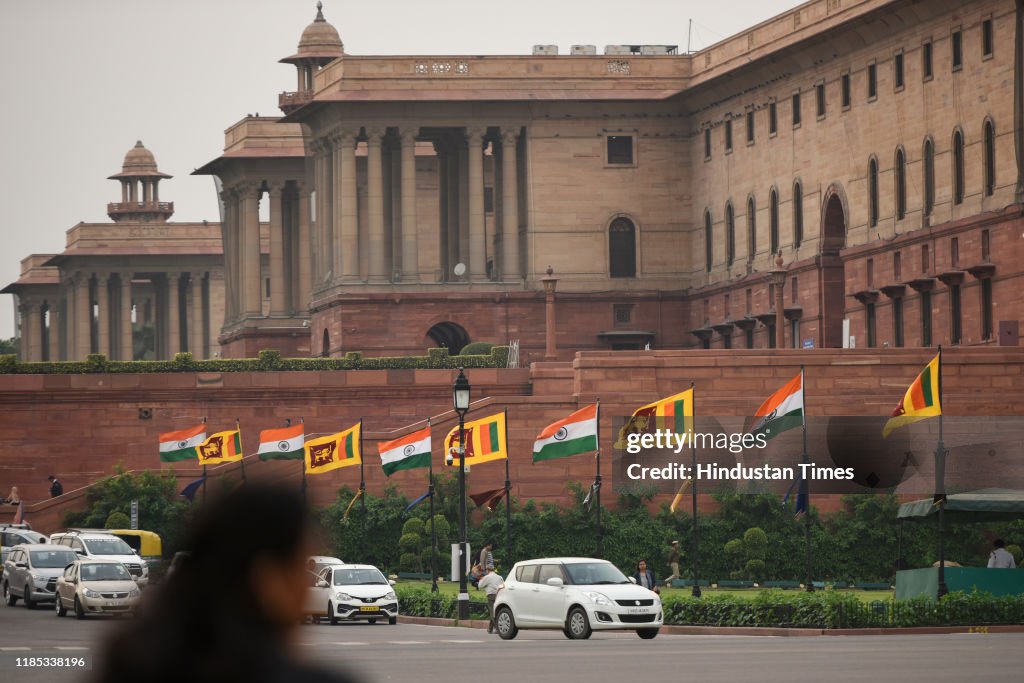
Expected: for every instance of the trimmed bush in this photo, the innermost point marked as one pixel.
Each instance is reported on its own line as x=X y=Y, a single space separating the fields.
x=476 y=349
x=117 y=520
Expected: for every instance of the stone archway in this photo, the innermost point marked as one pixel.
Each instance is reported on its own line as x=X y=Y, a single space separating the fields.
x=832 y=273
x=449 y=335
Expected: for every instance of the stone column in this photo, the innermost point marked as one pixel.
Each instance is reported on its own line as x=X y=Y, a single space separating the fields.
x=103 y=314
x=349 y=209
x=127 y=351
x=375 y=206
x=278 y=286
x=463 y=202
x=253 y=302
x=195 y=320
x=229 y=237
x=83 y=316
x=25 y=308
x=318 y=210
x=452 y=185
x=56 y=320
x=173 y=314
x=410 y=251
x=35 y=328
x=124 y=192
x=509 y=208
x=305 y=249
x=338 y=245
x=477 y=233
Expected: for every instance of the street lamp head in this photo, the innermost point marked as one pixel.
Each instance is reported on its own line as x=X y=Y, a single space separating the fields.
x=549 y=281
x=460 y=393
x=778 y=273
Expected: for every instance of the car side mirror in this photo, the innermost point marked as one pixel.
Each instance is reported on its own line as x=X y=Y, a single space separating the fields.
x=320 y=583
x=632 y=580
x=73 y=580
x=555 y=581
x=79 y=551
x=20 y=565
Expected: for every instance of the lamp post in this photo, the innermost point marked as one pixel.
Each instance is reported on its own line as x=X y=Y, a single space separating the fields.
x=550 y=282
x=460 y=399
x=778 y=274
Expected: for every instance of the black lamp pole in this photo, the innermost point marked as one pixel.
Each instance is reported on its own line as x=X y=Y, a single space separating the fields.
x=460 y=396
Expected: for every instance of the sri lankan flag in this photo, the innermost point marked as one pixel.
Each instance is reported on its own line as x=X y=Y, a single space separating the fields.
x=485 y=440
x=220 y=447
x=921 y=400
x=331 y=452
x=674 y=413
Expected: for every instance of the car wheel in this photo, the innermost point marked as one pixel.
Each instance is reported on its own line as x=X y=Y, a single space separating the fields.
x=8 y=596
x=316 y=620
x=505 y=623
x=330 y=614
x=647 y=633
x=29 y=602
x=577 y=624
x=392 y=621
x=79 y=610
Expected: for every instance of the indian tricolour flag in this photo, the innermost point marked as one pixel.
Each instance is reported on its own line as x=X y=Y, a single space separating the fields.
x=181 y=445
x=783 y=410
x=409 y=452
x=574 y=435
x=282 y=444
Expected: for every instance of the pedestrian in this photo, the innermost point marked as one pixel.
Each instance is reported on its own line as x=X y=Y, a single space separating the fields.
x=645 y=577
x=13 y=498
x=1000 y=557
x=56 y=488
x=491 y=583
x=486 y=556
x=230 y=612
x=475 y=574
x=673 y=563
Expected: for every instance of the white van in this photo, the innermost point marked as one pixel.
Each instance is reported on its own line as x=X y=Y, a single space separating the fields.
x=102 y=546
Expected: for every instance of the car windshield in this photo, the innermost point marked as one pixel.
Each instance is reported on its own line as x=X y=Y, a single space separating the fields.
x=52 y=559
x=594 y=573
x=358 y=577
x=34 y=537
x=108 y=546
x=107 y=571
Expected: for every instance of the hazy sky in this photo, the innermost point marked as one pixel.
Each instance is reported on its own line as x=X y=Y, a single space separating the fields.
x=84 y=79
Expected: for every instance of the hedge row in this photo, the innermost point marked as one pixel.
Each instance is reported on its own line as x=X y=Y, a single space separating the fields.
x=268 y=361
x=420 y=602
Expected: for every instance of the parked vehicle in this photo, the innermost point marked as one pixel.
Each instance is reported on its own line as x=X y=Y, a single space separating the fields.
x=318 y=562
x=16 y=534
x=356 y=592
x=147 y=544
x=96 y=587
x=577 y=595
x=315 y=606
x=104 y=546
x=31 y=572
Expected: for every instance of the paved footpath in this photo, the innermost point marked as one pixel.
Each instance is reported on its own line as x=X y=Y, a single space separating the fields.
x=424 y=654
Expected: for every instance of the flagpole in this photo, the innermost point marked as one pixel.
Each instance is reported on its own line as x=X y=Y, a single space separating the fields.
x=693 y=492
x=433 y=532
x=597 y=486
x=508 y=500
x=238 y=427
x=204 y=472
x=362 y=480
x=805 y=485
x=288 y=423
x=940 y=491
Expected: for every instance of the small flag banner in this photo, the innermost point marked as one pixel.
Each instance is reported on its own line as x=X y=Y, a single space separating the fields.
x=409 y=452
x=921 y=400
x=282 y=444
x=485 y=440
x=783 y=410
x=674 y=413
x=331 y=452
x=181 y=445
x=679 y=496
x=574 y=435
x=351 y=503
x=189 y=492
x=488 y=499
x=220 y=447
x=416 y=502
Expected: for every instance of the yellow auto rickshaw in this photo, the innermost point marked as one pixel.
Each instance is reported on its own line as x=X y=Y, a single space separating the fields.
x=146 y=543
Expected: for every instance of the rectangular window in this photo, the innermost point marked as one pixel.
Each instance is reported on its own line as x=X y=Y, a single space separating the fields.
x=794 y=332
x=897 y=71
x=750 y=127
x=897 y=267
x=620 y=149
x=924 y=259
x=871 y=272
x=954 y=252
x=773 y=119
x=267 y=287
x=956 y=323
x=707 y=143
x=957 y=48
x=793 y=293
x=845 y=81
x=728 y=136
x=926 y=61
x=870 y=310
x=985 y=253
x=897 y=322
x=771 y=337
x=796 y=109
x=750 y=301
x=819 y=98
x=872 y=81
x=986 y=309
x=986 y=38
x=623 y=313
x=750 y=337
x=726 y=341
x=488 y=200
x=926 y=318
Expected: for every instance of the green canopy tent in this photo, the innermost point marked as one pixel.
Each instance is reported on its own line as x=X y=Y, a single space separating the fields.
x=983 y=505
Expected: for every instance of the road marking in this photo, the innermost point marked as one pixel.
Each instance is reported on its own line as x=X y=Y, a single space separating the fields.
x=408 y=642
x=346 y=642
x=70 y=648
x=467 y=642
x=15 y=649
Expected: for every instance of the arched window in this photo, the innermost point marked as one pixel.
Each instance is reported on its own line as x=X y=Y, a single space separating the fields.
x=798 y=214
x=751 y=229
x=873 y=192
x=928 y=156
x=730 y=234
x=622 y=248
x=773 y=221
x=901 y=184
x=958 y=166
x=989 y=157
x=325 y=344
x=709 y=244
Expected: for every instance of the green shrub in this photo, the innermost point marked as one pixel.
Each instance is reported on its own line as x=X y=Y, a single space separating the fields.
x=476 y=349
x=117 y=520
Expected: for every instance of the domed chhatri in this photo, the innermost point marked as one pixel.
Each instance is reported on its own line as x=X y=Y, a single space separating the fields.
x=139 y=161
x=140 y=192
x=320 y=41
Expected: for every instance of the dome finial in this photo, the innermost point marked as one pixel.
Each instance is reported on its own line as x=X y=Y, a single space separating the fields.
x=319 y=11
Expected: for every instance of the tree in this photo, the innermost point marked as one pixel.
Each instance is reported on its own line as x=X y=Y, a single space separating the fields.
x=117 y=520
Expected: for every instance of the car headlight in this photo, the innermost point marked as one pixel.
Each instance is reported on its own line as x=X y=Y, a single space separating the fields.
x=342 y=596
x=89 y=593
x=598 y=598
x=390 y=595
x=134 y=593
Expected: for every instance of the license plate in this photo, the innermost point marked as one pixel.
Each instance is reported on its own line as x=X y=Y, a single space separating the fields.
x=111 y=604
x=369 y=609
x=637 y=610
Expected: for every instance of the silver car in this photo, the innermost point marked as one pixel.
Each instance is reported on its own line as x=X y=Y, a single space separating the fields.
x=31 y=572
x=96 y=587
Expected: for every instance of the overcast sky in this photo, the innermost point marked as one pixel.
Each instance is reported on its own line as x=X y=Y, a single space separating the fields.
x=84 y=79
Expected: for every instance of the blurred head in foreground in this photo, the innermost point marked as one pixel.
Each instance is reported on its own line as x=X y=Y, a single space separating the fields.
x=230 y=611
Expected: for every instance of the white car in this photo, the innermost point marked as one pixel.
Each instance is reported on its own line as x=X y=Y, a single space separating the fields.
x=96 y=587
x=316 y=563
x=102 y=546
x=356 y=592
x=577 y=595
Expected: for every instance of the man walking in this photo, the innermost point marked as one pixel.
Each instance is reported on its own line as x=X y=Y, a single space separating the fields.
x=486 y=557
x=1000 y=558
x=56 y=488
x=491 y=583
x=673 y=562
